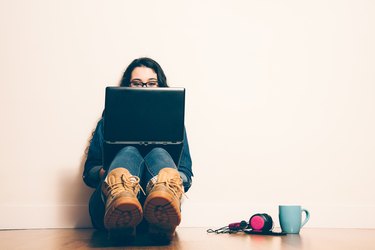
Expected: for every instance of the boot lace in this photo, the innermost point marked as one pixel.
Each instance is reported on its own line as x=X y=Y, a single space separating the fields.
x=174 y=185
x=128 y=183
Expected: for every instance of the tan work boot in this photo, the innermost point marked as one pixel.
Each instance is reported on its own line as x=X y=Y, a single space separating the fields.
x=123 y=210
x=162 y=208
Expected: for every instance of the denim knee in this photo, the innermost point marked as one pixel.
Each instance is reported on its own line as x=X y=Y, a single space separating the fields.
x=130 y=149
x=157 y=151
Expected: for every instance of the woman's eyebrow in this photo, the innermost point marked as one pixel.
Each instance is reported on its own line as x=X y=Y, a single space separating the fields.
x=139 y=79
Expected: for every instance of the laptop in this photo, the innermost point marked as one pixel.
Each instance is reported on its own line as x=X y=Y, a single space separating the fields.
x=144 y=118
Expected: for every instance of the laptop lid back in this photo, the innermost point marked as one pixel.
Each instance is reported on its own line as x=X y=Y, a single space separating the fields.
x=144 y=115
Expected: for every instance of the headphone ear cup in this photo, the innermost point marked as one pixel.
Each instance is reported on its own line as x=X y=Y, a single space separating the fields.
x=261 y=222
x=268 y=224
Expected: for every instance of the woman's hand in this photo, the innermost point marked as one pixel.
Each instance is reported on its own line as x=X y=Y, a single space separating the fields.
x=101 y=173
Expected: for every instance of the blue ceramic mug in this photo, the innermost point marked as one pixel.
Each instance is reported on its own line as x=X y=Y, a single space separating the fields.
x=290 y=218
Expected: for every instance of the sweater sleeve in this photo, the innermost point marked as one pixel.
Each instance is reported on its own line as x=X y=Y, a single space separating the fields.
x=185 y=164
x=94 y=160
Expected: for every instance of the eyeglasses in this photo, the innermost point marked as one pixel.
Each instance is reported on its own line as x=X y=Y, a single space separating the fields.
x=139 y=84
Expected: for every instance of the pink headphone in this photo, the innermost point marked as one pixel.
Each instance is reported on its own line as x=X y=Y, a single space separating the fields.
x=261 y=222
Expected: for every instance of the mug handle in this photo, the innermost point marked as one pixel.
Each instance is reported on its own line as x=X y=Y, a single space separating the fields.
x=307 y=213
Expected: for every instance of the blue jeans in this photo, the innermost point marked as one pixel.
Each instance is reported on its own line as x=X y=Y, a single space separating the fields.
x=145 y=168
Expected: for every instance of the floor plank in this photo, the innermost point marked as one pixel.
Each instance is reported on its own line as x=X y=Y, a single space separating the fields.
x=190 y=238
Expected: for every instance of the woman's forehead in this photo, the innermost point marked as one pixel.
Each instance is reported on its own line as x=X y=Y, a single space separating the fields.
x=143 y=73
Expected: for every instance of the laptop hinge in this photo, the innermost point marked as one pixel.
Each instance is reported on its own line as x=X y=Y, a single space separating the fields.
x=145 y=143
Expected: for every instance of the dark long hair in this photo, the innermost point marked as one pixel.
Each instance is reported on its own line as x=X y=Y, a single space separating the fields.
x=144 y=62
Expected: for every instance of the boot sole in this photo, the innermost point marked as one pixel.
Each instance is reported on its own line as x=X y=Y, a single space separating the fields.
x=123 y=213
x=163 y=214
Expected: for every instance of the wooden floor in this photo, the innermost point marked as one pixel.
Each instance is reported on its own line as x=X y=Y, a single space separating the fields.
x=190 y=238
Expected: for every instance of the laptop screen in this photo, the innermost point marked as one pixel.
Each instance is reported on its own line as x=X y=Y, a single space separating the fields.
x=144 y=115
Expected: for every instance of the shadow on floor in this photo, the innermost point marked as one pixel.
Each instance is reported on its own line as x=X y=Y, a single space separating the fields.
x=102 y=239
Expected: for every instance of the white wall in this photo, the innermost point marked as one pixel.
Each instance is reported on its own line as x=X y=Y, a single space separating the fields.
x=280 y=103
